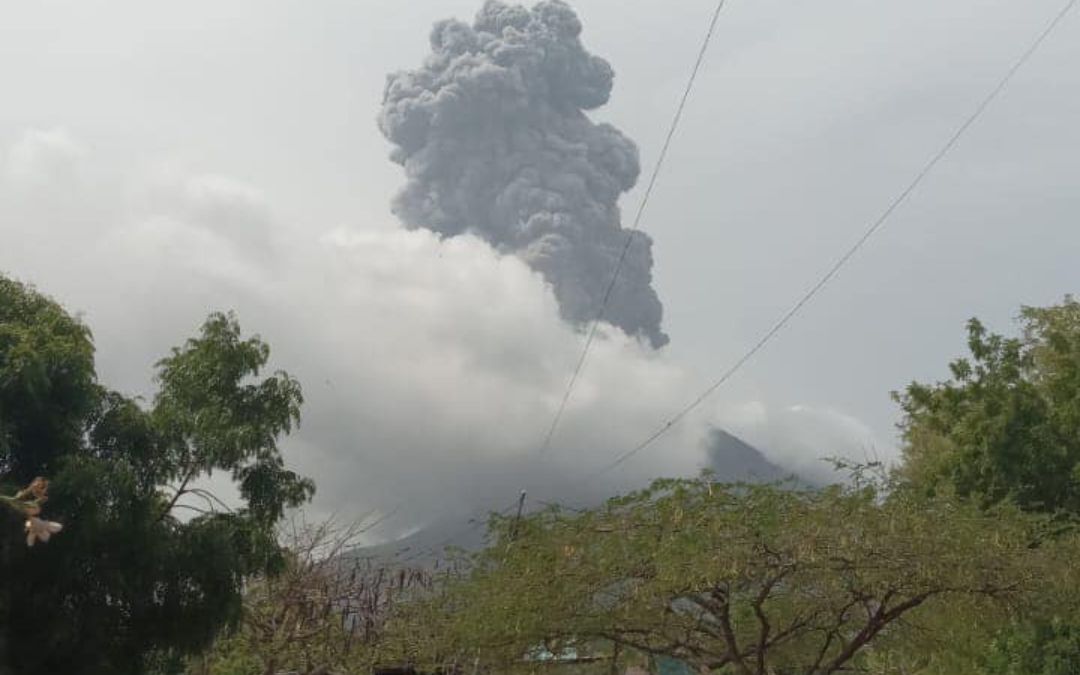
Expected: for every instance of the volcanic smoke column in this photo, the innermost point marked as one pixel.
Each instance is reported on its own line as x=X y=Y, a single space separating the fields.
x=494 y=141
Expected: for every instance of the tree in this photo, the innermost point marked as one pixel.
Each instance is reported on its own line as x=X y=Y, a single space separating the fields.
x=1006 y=428
x=740 y=579
x=47 y=382
x=324 y=612
x=1007 y=425
x=1046 y=648
x=149 y=564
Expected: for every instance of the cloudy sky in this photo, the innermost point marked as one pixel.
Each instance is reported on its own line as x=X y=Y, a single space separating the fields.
x=159 y=161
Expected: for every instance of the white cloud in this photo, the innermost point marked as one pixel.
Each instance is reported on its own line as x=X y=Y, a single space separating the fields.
x=803 y=438
x=431 y=368
x=43 y=158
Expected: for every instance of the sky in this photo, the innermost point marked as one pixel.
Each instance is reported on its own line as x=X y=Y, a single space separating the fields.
x=161 y=161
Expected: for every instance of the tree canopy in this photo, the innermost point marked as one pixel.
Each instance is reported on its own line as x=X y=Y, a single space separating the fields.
x=149 y=564
x=744 y=579
x=1006 y=426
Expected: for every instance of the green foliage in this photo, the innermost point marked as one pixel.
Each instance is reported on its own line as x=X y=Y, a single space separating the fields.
x=46 y=382
x=1006 y=428
x=129 y=580
x=230 y=655
x=1045 y=648
x=213 y=417
x=1007 y=425
x=742 y=579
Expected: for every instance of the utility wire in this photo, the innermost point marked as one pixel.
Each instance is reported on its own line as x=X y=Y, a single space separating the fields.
x=874 y=227
x=474 y=523
x=632 y=230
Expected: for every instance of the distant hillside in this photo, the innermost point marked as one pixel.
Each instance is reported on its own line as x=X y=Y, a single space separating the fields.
x=730 y=457
x=428 y=545
x=735 y=460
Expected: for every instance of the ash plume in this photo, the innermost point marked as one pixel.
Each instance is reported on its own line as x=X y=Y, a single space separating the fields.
x=493 y=136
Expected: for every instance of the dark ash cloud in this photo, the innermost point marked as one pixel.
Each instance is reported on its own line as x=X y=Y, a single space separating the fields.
x=495 y=141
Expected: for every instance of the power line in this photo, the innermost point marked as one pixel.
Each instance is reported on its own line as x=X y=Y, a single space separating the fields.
x=633 y=228
x=474 y=523
x=832 y=272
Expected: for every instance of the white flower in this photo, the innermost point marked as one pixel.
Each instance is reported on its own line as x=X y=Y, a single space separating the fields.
x=36 y=529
